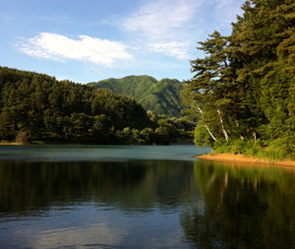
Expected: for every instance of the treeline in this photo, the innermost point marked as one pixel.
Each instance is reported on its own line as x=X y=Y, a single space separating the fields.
x=37 y=107
x=243 y=90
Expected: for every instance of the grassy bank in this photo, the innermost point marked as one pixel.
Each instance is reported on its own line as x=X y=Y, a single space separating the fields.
x=279 y=151
x=239 y=158
x=273 y=150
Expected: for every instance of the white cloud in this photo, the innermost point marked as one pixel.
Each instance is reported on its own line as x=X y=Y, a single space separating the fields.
x=163 y=25
x=162 y=19
x=58 y=47
x=174 y=49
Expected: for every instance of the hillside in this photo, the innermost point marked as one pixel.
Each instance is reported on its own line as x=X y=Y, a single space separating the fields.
x=37 y=107
x=161 y=97
x=45 y=108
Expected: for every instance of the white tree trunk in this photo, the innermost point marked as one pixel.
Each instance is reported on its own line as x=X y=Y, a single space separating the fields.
x=206 y=126
x=222 y=126
x=210 y=132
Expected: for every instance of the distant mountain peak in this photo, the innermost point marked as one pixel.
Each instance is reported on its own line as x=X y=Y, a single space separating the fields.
x=161 y=97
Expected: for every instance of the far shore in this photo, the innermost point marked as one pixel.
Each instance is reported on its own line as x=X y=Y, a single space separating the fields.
x=12 y=143
x=239 y=158
x=184 y=142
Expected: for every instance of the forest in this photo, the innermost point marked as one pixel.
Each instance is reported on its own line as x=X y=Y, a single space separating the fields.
x=243 y=90
x=38 y=108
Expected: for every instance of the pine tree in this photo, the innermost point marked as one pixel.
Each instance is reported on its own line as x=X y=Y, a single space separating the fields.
x=248 y=78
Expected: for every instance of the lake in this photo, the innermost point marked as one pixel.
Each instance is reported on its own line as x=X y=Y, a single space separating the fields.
x=140 y=197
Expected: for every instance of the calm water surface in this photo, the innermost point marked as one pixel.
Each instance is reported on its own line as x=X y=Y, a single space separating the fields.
x=140 y=197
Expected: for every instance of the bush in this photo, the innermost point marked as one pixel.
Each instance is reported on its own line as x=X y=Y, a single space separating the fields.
x=280 y=148
x=254 y=148
x=247 y=147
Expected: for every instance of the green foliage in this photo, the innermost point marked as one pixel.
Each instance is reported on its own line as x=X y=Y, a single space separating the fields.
x=201 y=135
x=243 y=89
x=161 y=97
x=238 y=146
x=281 y=148
x=36 y=107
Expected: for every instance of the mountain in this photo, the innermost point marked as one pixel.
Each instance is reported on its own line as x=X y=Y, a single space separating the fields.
x=161 y=97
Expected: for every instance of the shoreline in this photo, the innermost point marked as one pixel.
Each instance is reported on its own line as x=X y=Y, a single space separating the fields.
x=12 y=143
x=239 y=158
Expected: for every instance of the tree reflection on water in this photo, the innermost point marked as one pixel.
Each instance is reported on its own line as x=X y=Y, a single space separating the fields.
x=185 y=204
x=242 y=207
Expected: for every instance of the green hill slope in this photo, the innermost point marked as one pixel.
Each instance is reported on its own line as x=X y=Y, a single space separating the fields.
x=46 y=109
x=161 y=97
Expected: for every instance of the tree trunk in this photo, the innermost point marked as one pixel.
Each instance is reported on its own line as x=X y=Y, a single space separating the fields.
x=222 y=126
x=206 y=126
x=13 y=125
x=210 y=132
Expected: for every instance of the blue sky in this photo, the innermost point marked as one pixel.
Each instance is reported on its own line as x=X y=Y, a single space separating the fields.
x=92 y=40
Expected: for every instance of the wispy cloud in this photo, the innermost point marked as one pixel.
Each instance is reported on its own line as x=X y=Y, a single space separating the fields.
x=174 y=49
x=163 y=25
x=58 y=47
x=158 y=19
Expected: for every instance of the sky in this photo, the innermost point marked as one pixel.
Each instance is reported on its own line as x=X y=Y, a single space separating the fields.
x=92 y=40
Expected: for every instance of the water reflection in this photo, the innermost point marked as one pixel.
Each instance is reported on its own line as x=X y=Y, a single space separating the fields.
x=145 y=204
x=242 y=207
x=110 y=153
x=131 y=185
x=97 y=236
x=130 y=204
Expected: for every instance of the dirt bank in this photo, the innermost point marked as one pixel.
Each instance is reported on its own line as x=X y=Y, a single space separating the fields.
x=244 y=159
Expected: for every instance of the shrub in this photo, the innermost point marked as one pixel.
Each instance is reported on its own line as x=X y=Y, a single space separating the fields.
x=280 y=149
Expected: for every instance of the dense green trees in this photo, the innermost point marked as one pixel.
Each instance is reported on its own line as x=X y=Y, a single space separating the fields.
x=243 y=89
x=38 y=107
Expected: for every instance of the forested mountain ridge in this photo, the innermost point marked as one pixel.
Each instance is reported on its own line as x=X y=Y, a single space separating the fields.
x=161 y=97
x=38 y=107
x=243 y=90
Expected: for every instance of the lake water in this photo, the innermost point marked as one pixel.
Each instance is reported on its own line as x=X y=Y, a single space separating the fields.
x=140 y=197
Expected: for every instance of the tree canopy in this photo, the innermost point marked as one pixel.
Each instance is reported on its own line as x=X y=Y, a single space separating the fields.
x=243 y=90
